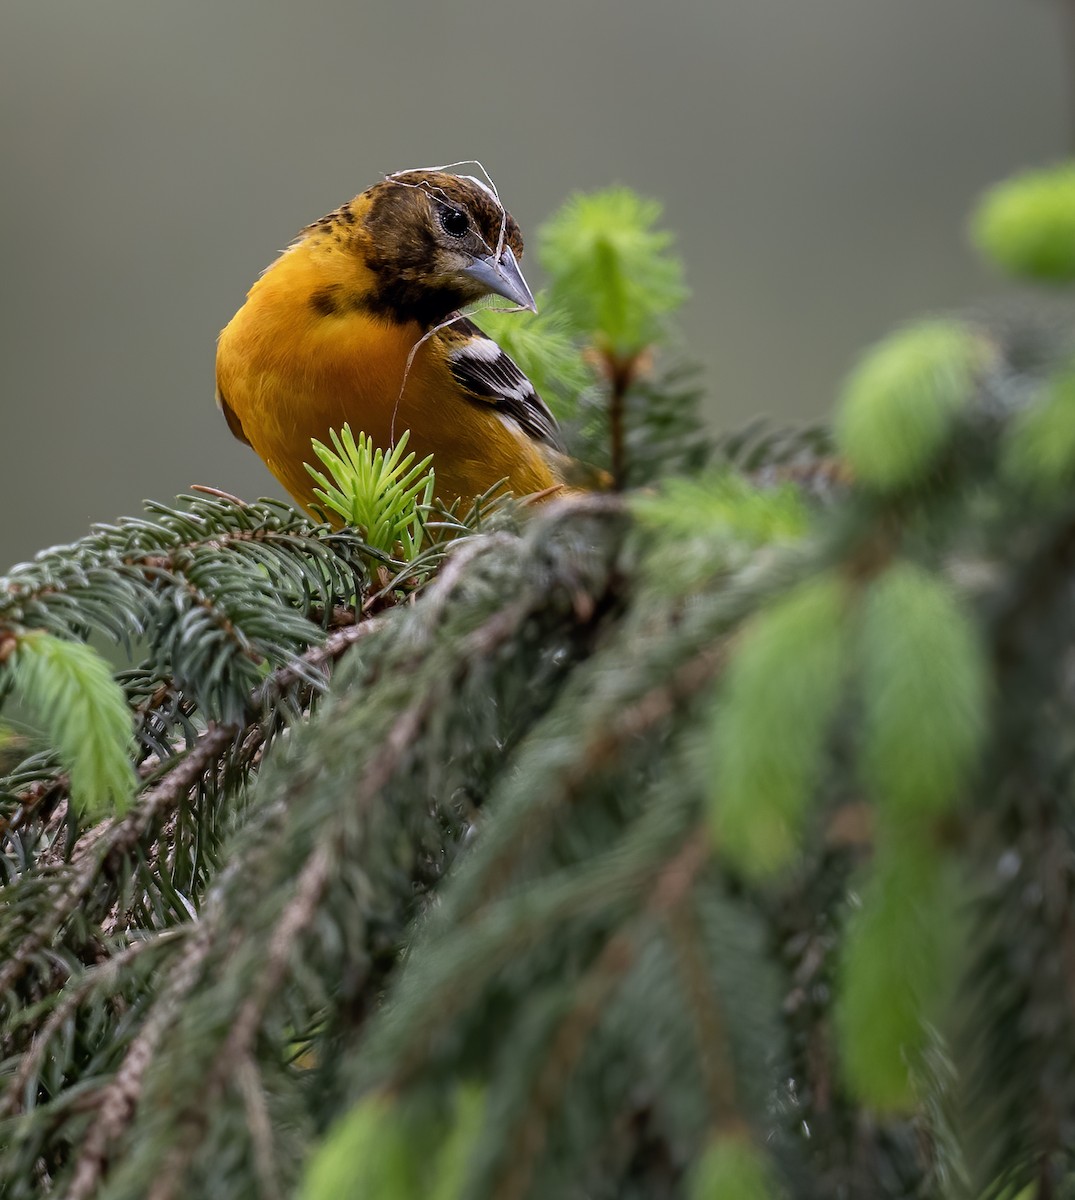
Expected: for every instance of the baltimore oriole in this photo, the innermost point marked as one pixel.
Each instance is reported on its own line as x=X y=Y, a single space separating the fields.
x=338 y=329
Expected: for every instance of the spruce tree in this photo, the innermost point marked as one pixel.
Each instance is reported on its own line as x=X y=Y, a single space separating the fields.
x=710 y=837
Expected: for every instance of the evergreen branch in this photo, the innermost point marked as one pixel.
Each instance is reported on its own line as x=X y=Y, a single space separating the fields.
x=457 y=561
x=218 y=588
x=315 y=660
x=611 y=271
x=119 y=1097
x=466 y=958
x=114 y=840
x=404 y=732
x=237 y=1049
x=300 y=671
x=1014 y=1116
x=297 y=915
x=126 y=563
x=28 y=801
x=99 y=976
x=1046 y=574
x=620 y=379
x=264 y=986
x=591 y=995
x=259 y=1123
x=711 y=1035
x=621 y=715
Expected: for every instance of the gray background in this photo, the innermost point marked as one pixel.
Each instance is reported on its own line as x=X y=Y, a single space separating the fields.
x=817 y=159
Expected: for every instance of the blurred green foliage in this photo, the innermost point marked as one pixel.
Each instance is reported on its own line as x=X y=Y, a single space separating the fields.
x=924 y=682
x=732 y=1166
x=895 y=971
x=774 y=710
x=900 y=405
x=611 y=270
x=1041 y=448
x=1027 y=224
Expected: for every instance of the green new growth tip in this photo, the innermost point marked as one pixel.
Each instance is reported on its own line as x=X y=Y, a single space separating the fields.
x=898 y=959
x=924 y=682
x=69 y=689
x=772 y=721
x=900 y=404
x=611 y=270
x=381 y=495
x=1026 y=225
x=733 y=1168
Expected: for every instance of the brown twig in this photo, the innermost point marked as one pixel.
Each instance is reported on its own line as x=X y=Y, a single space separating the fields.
x=620 y=373
x=711 y=1037
x=206 y=490
x=248 y=1078
x=120 y=1096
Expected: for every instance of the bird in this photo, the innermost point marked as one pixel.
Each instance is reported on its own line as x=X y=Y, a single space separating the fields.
x=358 y=321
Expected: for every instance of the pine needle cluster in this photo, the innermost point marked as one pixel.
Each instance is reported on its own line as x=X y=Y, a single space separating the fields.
x=709 y=841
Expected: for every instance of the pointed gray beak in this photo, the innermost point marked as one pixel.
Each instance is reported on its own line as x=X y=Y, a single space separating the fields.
x=502 y=277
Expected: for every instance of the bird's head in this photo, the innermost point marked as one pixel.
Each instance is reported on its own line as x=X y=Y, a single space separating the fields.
x=433 y=242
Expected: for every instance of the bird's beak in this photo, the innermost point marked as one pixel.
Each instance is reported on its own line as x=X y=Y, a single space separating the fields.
x=502 y=277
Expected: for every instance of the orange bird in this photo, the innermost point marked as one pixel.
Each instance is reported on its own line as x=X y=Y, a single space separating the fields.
x=357 y=321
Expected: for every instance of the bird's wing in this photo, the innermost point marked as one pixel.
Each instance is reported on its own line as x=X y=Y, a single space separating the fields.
x=234 y=424
x=489 y=376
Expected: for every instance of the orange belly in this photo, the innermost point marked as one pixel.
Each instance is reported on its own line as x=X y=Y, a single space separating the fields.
x=290 y=376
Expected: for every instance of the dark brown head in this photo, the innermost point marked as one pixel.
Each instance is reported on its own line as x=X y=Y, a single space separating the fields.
x=434 y=242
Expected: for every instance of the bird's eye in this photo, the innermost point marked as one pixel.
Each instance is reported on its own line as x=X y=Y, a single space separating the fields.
x=454 y=221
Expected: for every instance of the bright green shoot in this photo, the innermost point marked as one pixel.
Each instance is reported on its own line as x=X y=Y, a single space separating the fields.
x=383 y=496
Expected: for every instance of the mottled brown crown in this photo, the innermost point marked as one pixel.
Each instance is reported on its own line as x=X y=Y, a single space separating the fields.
x=457 y=191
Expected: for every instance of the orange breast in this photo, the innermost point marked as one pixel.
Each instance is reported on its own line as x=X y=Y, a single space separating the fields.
x=290 y=373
